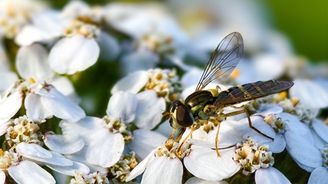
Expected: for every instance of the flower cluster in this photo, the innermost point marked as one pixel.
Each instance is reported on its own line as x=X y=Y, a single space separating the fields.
x=93 y=94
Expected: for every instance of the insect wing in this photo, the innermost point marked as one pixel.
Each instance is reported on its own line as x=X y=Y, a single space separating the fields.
x=251 y=91
x=223 y=60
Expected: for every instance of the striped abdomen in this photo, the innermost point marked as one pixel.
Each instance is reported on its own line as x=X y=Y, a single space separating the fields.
x=250 y=91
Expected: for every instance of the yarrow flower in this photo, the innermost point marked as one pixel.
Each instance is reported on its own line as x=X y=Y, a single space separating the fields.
x=96 y=178
x=52 y=59
x=253 y=157
x=79 y=27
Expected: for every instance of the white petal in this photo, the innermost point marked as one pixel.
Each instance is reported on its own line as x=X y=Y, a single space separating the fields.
x=2 y=177
x=109 y=47
x=82 y=128
x=60 y=178
x=73 y=54
x=278 y=145
x=62 y=145
x=3 y=127
x=71 y=170
x=318 y=141
x=10 y=105
x=205 y=164
x=195 y=180
x=270 y=176
x=32 y=62
x=63 y=85
x=133 y=82
x=302 y=148
x=228 y=135
x=74 y=8
x=31 y=150
x=140 y=168
x=8 y=79
x=258 y=123
x=35 y=110
x=268 y=66
x=149 y=109
x=141 y=59
x=163 y=170
x=27 y=172
x=293 y=124
x=304 y=167
x=310 y=94
x=319 y=176
x=60 y=105
x=321 y=128
x=122 y=106
x=102 y=147
x=32 y=34
x=36 y=152
x=267 y=109
x=144 y=141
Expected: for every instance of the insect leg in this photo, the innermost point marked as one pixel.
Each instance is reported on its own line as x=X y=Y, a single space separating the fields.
x=172 y=133
x=217 y=141
x=227 y=147
x=250 y=124
x=192 y=129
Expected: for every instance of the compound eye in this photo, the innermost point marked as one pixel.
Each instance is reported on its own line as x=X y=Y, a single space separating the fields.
x=174 y=105
x=183 y=116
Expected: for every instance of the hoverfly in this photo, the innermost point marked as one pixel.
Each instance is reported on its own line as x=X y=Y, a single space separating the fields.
x=222 y=62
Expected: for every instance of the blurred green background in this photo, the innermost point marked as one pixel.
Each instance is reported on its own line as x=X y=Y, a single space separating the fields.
x=305 y=23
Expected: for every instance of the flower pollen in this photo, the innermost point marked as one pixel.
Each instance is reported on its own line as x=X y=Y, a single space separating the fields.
x=275 y=122
x=22 y=130
x=92 y=178
x=123 y=167
x=252 y=157
x=117 y=126
x=7 y=159
x=164 y=83
x=80 y=28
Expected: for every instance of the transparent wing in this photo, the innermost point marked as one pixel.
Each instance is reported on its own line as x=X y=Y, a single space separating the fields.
x=223 y=60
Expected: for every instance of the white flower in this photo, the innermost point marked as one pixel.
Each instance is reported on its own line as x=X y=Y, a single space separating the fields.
x=198 y=154
x=160 y=167
x=270 y=175
x=20 y=165
x=321 y=128
x=158 y=35
x=42 y=100
x=80 y=37
x=311 y=94
x=103 y=142
x=144 y=141
x=319 y=174
x=14 y=14
x=8 y=79
x=122 y=168
x=95 y=177
x=265 y=66
x=144 y=109
x=301 y=143
x=163 y=81
x=195 y=180
x=206 y=21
